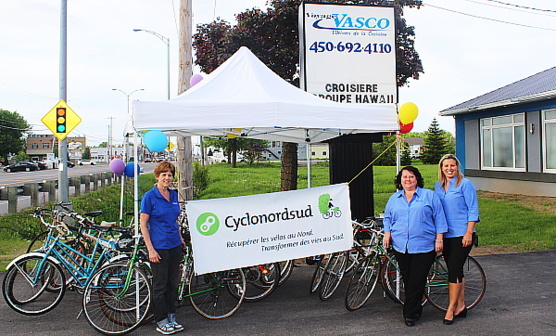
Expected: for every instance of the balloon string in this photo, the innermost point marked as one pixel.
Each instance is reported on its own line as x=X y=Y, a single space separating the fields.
x=372 y=162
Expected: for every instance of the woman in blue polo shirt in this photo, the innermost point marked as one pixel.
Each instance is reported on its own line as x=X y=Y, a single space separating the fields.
x=459 y=198
x=159 y=213
x=414 y=225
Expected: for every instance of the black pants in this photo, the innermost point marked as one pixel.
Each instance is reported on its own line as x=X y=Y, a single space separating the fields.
x=455 y=256
x=165 y=282
x=414 y=268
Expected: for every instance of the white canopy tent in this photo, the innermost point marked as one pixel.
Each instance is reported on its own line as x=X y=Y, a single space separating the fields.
x=244 y=94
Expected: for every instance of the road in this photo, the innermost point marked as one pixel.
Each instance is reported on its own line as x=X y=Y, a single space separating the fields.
x=520 y=300
x=19 y=178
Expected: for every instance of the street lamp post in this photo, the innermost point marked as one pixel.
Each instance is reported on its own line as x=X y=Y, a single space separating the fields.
x=126 y=150
x=167 y=42
x=128 y=104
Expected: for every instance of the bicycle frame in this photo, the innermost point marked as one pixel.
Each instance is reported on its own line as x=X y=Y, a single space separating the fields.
x=71 y=259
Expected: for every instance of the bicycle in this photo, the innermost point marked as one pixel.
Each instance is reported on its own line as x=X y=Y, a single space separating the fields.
x=331 y=268
x=36 y=282
x=382 y=264
x=261 y=281
x=117 y=299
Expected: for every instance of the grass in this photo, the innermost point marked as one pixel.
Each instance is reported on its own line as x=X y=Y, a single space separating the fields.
x=506 y=224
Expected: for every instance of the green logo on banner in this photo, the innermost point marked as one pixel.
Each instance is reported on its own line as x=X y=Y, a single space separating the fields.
x=326 y=208
x=207 y=224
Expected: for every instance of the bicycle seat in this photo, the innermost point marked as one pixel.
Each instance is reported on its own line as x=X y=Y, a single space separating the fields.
x=93 y=214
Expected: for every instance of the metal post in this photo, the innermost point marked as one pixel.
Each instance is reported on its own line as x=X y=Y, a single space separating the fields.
x=63 y=185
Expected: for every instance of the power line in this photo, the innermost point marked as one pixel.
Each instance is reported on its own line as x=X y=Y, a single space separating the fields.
x=510 y=8
x=486 y=18
x=521 y=6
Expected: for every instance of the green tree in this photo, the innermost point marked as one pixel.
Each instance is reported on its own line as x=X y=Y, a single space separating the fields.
x=21 y=156
x=86 y=153
x=389 y=157
x=254 y=150
x=435 y=144
x=12 y=129
x=251 y=149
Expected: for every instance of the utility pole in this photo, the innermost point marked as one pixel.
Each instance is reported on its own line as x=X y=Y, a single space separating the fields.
x=110 y=139
x=185 y=148
x=63 y=183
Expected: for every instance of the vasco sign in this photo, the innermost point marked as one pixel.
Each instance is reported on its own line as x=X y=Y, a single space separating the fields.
x=347 y=53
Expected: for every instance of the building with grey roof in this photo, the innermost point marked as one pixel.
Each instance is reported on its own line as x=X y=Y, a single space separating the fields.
x=506 y=138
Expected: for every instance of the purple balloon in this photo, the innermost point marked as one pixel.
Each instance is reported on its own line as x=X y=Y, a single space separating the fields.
x=196 y=78
x=117 y=166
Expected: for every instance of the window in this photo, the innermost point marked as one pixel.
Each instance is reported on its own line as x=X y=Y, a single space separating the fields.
x=34 y=145
x=549 y=140
x=503 y=142
x=46 y=145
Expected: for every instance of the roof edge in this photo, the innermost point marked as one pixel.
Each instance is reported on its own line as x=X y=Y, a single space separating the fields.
x=517 y=100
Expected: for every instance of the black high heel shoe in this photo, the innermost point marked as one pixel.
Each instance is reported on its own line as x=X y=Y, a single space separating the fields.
x=448 y=322
x=462 y=313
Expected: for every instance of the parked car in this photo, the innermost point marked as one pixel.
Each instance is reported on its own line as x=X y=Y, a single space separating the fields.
x=86 y=162
x=70 y=164
x=41 y=165
x=21 y=166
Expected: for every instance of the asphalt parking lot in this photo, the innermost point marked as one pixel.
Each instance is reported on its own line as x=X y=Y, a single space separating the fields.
x=520 y=300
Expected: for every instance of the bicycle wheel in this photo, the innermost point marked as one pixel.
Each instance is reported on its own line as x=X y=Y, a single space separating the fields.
x=117 y=299
x=363 y=282
x=38 y=242
x=217 y=295
x=392 y=280
x=261 y=281
x=333 y=274
x=437 y=286
x=32 y=286
x=319 y=272
x=286 y=269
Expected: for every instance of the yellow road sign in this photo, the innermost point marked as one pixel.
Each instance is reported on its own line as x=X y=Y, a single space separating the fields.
x=61 y=120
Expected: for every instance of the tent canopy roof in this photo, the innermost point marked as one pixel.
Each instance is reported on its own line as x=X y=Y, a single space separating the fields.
x=243 y=94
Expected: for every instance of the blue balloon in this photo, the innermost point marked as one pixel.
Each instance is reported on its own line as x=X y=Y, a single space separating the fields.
x=129 y=170
x=156 y=141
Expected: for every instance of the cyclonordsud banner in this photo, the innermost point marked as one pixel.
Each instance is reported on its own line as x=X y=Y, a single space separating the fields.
x=243 y=231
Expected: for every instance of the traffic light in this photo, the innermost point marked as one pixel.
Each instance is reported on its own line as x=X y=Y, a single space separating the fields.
x=60 y=120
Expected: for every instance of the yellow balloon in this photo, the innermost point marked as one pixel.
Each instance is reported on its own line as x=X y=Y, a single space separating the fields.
x=408 y=113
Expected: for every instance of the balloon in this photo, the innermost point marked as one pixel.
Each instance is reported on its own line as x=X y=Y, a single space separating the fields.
x=155 y=141
x=117 y=166
x=408 y=113
x=129 y=169
x=406 y=128
x=196 y=78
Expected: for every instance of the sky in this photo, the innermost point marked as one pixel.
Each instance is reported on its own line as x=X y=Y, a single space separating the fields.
x=468 y=48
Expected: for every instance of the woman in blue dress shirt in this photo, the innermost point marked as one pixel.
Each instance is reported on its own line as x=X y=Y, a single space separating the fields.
x=459 y=198
x=414 y=225
x=159 y=213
